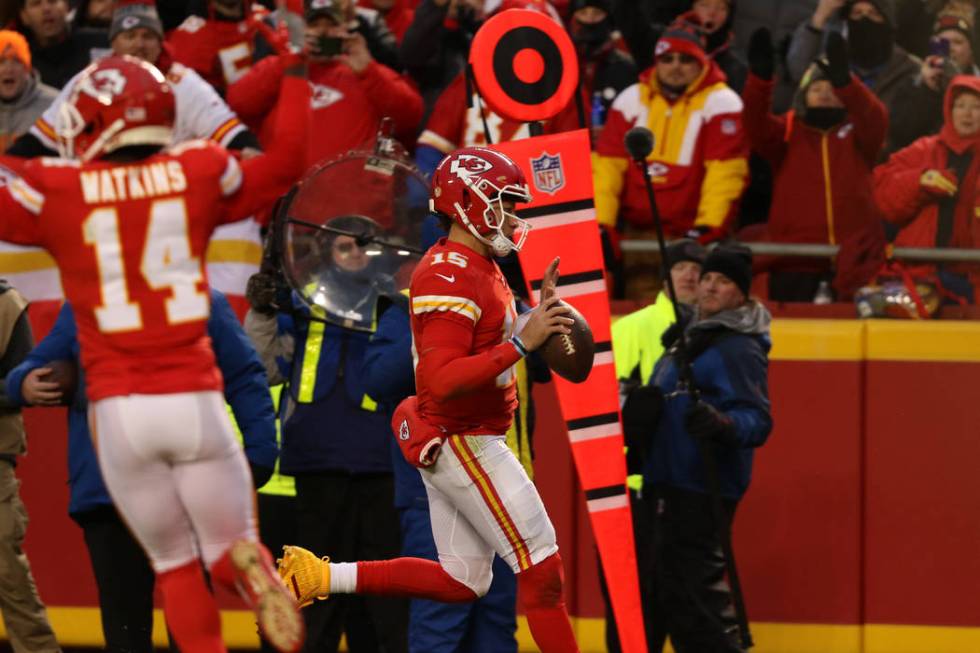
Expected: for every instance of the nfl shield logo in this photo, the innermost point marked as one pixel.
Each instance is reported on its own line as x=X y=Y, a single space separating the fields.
x=549 y=176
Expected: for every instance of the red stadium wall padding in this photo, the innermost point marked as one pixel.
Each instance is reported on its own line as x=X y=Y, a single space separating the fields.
x=923 y=493
x=54 y=543
x=798 y=531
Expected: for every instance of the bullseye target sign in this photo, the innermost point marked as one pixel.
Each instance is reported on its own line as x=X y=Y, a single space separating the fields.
x=525 y=65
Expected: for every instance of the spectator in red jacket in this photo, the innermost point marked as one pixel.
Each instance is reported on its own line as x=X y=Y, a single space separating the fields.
x=351 y=91
x=929 y=189
x=822 y=156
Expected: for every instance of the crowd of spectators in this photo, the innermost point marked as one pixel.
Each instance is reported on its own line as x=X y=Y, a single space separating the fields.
x=779 y=118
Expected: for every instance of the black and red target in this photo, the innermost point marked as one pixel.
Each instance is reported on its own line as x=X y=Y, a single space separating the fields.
x=524 y=65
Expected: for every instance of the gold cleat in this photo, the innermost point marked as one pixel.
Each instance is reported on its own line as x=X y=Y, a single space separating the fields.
x=305 y=575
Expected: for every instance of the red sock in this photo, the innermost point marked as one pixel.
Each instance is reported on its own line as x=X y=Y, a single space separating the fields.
x=191 y=612
x=541 y=594
x=412 y=577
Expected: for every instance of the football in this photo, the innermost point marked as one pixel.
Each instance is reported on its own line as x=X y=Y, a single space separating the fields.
x=65 y=374
x=570 y=355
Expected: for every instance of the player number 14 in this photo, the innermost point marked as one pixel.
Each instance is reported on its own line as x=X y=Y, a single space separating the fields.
x=166 y=263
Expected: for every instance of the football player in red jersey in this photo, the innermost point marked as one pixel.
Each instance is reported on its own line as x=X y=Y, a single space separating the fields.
x=128 y=223
x=467 y=338
x=221 y=48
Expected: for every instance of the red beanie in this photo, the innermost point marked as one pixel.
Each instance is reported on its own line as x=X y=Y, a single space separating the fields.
x=684 y=35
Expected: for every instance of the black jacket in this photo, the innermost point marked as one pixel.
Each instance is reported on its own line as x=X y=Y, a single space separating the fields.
x=60 y=62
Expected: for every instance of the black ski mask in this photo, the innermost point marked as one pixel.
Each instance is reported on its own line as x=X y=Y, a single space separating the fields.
x=824 y=118
x=870 y=43
x=590 y=38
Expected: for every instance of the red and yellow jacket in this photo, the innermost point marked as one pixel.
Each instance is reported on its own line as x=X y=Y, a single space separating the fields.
x=699 y=162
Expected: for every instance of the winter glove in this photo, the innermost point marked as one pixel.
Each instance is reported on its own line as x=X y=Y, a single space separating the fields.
x=641 y=414
x=260 y=291
x=306 y=576
x=260 y=474
x=705 y=422
x=942 y=183
x=762 y=59
x=837 y=66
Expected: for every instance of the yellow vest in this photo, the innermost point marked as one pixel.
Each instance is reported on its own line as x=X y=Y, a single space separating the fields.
x=636 y=338
x=279 y=484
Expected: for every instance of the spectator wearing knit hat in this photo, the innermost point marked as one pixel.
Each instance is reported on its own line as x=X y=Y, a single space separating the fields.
x=637 y=346
x=22 y=95
x=136 y=31
x=916 y=18
x=699 y=160
x=201 y=114
x=922 y=110
x=636 y=337
x=879 y=63
x=715 y=19
x=57 y=50
x=727 y=345
x=822 y=156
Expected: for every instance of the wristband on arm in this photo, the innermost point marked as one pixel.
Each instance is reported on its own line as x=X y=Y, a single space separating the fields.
x=519 y=345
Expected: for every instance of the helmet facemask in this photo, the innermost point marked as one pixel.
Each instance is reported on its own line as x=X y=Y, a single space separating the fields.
x=496 y=216
x=71 y=125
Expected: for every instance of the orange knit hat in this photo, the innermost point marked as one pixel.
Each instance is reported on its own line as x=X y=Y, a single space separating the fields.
x=13 y=45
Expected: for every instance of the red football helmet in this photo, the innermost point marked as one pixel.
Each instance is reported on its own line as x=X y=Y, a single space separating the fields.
x=469 y=184
x=117 y=101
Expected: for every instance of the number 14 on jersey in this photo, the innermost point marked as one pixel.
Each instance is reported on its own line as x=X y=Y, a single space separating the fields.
x=165 y=263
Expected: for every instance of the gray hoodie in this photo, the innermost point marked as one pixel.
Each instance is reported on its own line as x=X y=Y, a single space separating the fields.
x=17 y=116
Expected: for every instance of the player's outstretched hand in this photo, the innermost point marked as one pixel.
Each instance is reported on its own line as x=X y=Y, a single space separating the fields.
x=546 y=319
x=549 y=283
x=37 y=392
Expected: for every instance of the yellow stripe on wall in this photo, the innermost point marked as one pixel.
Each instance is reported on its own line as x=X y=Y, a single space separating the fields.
x=939 y=340
x=943 y=341
x=827 y=340
x=879 y=638
x=83 y=627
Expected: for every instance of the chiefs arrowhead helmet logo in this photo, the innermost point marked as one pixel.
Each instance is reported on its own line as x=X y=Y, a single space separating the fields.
x=467 y=165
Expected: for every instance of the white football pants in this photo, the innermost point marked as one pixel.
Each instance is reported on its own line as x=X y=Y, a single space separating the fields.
x=482 y=502
x=176 y=473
